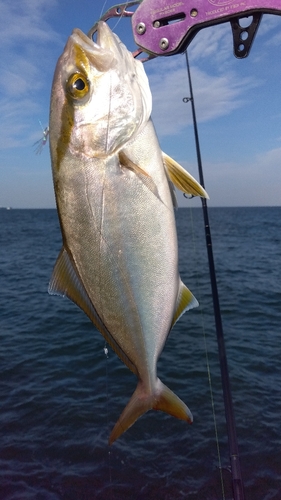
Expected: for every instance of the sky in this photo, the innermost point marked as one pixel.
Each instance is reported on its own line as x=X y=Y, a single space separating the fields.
x=238 y=103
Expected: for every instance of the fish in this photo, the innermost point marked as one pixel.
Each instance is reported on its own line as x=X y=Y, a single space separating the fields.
x=114 y=190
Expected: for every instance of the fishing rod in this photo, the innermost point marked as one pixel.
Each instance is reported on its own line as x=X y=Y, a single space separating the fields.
x=162 y=29
x=237 y=481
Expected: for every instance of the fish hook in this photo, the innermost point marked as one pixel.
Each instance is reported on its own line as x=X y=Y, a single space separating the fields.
x=41 y=143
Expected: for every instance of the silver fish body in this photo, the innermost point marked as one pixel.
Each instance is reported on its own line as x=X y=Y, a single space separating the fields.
x=119 y=260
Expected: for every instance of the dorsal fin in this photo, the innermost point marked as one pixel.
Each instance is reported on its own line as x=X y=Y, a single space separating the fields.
x=182 y=179
x=66 y=281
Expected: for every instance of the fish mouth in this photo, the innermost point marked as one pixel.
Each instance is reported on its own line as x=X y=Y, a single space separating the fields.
x=78 y=34
x=99 y=53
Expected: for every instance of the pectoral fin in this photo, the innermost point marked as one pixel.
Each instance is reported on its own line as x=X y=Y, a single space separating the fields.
x=182 y=179
x=185 y=301
x=66 y=281
x=140 y=173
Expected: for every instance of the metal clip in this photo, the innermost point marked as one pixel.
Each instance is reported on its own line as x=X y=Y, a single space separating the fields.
x=119 y=10
x=243 y=37
x=170 y=26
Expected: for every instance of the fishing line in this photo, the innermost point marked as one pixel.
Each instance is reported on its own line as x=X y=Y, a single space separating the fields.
x=237 y=481
x=195 y=252
x=105 y=349
x=119 y=19
x=103 y=8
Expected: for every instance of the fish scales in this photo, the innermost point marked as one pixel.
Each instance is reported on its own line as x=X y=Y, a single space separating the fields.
x=119 y=260
x=135 y=268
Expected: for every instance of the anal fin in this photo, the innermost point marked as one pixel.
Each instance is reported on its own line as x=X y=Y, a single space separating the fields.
x=66 y=281
x=185 y=302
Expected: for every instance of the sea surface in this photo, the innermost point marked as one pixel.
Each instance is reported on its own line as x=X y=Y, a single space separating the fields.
x=60 y=394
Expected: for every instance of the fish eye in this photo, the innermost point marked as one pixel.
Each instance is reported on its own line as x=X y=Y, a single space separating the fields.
x=77 y=86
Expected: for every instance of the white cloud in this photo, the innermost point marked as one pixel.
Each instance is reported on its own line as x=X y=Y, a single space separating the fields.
x=25 y=20
x=16 y=126
x=268 y=23
x=219 y=86
x=213 y=43
x=271 y=159
x=215 y=95
x=254 y=183
x=274 y=40
x=20 y=78
x=27 y=40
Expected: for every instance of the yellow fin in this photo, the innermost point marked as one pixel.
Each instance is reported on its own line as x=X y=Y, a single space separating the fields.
x=170 y=403
x=185 y=301
x=66 y=281
x=161 y=398
x=182 y=179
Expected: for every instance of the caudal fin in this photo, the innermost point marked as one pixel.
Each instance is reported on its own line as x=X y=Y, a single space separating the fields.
x=162 y=399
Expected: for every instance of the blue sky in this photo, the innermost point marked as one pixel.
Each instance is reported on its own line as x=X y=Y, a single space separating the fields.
x=238 y=103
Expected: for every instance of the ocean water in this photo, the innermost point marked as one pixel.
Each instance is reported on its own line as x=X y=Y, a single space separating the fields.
x=60 y=394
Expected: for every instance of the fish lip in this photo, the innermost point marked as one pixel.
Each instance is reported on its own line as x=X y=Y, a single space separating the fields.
x=101 y=26
x=85 y=38
x=78 y=36
x=101 y=57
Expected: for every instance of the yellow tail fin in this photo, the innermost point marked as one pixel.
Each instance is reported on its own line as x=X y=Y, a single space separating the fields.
x=162 y=399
